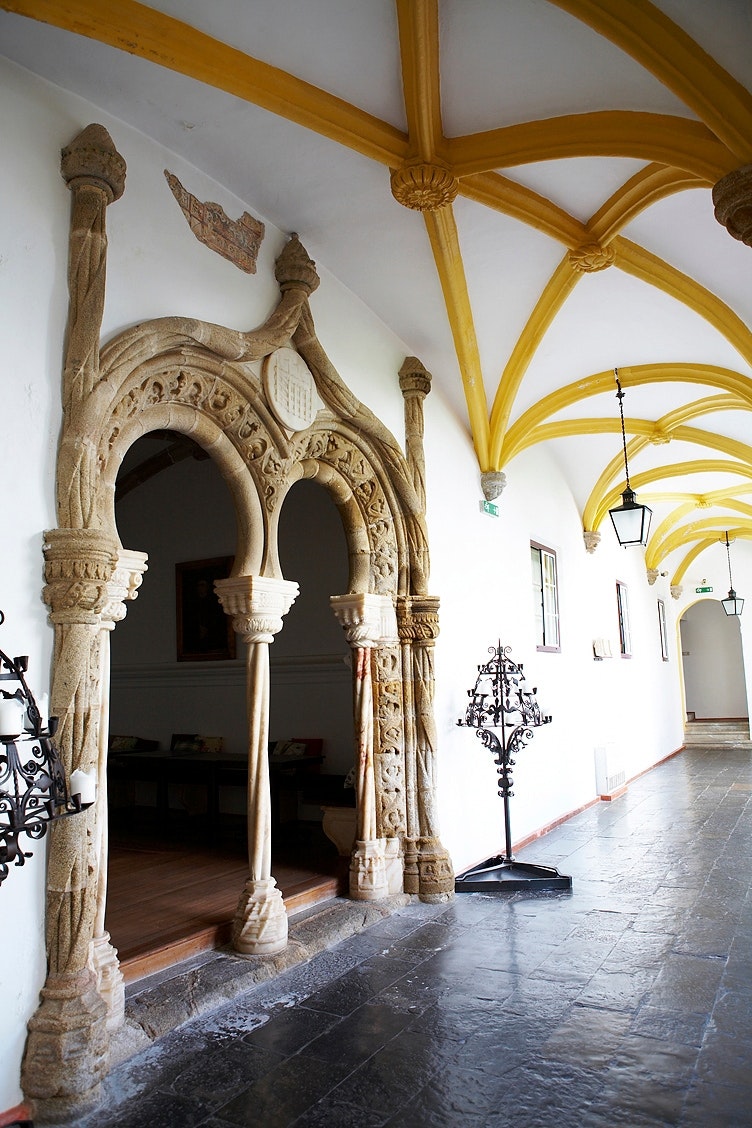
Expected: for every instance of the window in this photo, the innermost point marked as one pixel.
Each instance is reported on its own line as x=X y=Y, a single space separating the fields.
x=625 y=641
x=545 y=597
x=662 y=629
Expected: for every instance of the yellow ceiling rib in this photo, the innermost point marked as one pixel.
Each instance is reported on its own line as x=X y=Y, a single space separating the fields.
x=419 y=49
x=675 y=141
x=664 y=49
x=519 y=202
x=634 y=260
x=646 y=187
x=654 y=552
x=697 y=530
x=557 y=290
x=659 y=534
x=642 y=264
x=696 y=466
x=603 y=496
x=442 y=232
x=689 y=559
x=170 y=43
x=593 y=512
x=739 y=388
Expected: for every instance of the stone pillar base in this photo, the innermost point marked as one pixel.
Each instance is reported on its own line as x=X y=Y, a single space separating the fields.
x=110 y=983
x=260 y=924
x=435 y=872
x=67 y=1051
x=368 y=871
x=411 y=876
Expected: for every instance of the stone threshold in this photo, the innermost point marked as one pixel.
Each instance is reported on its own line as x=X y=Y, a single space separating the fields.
x=159 y=1003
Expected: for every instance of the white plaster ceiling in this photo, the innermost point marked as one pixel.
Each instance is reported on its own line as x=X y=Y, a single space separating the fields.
x=501 y=63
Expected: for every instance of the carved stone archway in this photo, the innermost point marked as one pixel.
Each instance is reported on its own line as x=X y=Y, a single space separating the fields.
x=202 y=380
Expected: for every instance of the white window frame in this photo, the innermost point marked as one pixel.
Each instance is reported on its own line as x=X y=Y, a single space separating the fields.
x=545 y=578
x=622 y=610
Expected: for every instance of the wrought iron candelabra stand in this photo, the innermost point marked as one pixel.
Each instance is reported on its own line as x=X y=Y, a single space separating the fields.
x=504 y=713
x=33 y=788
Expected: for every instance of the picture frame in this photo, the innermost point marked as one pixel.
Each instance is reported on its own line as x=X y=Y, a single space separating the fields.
x=204 y=632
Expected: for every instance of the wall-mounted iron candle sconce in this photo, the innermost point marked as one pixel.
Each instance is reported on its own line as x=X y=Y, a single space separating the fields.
x=33 y=788
x=732 y=604
x=631 y=521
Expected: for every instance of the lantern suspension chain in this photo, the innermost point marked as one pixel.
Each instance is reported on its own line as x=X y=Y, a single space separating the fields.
x=620 y=397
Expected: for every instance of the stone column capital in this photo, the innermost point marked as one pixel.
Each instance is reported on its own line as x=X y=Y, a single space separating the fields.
x=592 y=539
x=92 y=159
x=257 y=604
x=418 y=618
x=367 y=619
x=676 y=591
x=79 y=565
x=124 y=585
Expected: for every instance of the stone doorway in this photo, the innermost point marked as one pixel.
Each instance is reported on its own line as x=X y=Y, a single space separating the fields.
x=229 y=391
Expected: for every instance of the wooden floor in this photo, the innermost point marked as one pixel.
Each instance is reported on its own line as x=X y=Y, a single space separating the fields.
x=170 y=897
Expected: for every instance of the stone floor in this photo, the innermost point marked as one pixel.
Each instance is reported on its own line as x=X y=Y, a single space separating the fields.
x=626 y=1002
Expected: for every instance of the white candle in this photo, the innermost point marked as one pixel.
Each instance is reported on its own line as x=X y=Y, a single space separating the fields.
x=85 y=785
x=11 y=716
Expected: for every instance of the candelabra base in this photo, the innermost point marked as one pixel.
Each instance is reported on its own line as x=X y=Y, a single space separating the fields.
x=505 y=875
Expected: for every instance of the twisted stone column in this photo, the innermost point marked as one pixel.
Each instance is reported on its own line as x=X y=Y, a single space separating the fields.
x=415 y=383
x=418 y=624
x=257 y=605
x=367 y=620
x=67 y=1049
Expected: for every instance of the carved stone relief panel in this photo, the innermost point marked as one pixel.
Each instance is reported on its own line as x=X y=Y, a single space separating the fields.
x=389 y=742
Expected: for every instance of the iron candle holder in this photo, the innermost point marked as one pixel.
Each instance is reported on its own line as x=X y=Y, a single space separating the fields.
x=504 y=713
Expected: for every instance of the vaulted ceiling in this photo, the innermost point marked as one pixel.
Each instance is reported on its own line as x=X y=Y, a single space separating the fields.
x=523 y=190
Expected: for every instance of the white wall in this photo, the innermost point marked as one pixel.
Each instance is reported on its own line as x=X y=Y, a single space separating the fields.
x=481 y=568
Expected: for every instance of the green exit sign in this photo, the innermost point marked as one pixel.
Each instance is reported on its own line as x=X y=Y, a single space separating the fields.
x=703 y=590
x=489 y=507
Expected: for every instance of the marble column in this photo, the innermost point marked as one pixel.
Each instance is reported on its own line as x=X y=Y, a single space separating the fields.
x=367 y=620
x=257 y=605
x=122 y=588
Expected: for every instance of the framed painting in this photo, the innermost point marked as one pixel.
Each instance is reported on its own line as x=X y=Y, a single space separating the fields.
x=204 y=632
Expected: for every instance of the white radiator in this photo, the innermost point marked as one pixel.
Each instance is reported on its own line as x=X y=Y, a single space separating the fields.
x=610 y=770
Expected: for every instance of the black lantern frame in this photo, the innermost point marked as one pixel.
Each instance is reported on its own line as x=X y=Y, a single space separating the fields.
x=631 y=521
x=732 y=604
x=504 y=713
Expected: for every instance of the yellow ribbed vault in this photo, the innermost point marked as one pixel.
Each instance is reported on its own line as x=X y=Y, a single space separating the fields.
x=686 y=152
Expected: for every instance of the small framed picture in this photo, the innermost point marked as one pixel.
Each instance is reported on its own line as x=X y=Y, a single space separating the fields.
x=204 y=632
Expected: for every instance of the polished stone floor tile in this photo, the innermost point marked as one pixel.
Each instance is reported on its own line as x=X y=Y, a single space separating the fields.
x=627 y=1002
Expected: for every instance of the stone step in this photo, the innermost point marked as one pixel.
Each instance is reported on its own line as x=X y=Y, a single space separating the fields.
x=717 y=732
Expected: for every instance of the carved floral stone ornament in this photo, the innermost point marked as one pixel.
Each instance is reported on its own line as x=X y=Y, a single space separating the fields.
x=591 y=257
x=492 y=483
x=732 y=197
x=290 y=389
x=423 y=187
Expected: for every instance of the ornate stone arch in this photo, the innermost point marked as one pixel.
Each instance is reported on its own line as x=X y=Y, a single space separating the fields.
x=202 y=380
